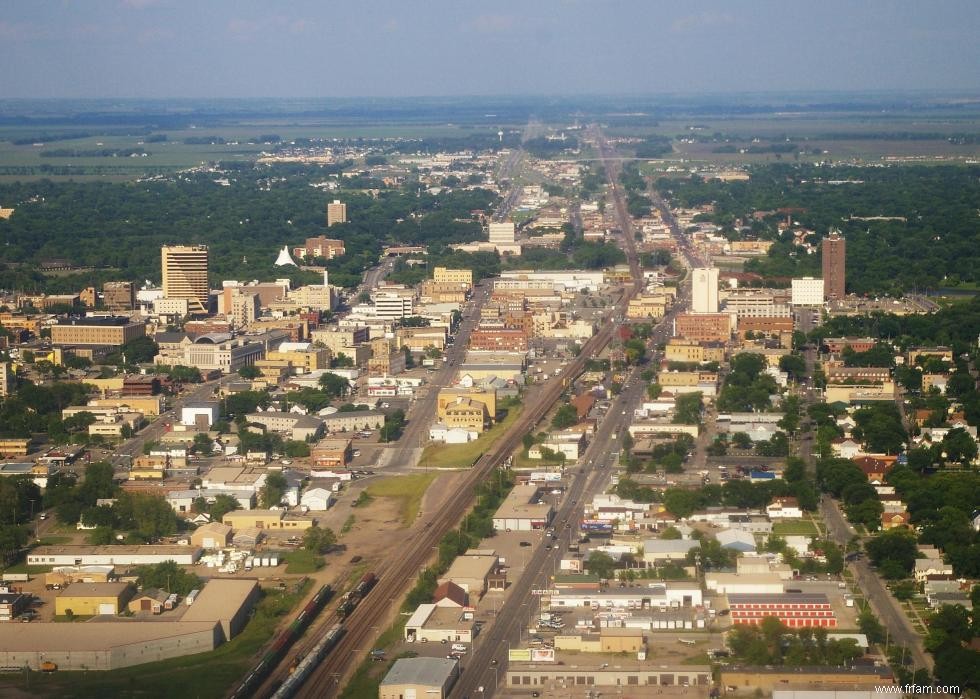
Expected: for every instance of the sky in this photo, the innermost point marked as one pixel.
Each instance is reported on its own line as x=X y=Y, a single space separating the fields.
x=401 y=48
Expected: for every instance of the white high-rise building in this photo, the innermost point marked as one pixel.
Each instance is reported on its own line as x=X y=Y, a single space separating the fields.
x=502 y=233
x=704 y=290
x=807 y=291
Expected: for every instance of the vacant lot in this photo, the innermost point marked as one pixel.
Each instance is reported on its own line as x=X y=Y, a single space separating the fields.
x=465 y=455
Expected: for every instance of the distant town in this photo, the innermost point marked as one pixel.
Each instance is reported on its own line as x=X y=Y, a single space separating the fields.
x=551 y=413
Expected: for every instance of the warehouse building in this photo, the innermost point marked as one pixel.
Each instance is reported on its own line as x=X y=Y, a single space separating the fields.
x=660 y=596
x=428 y=678
x=93 y=599
x=768 y=679
x=471 y=572
x=528 y=676
x=112 y=555
x=795 y=610
x=228 y=602
x=103 y=645
x=523 y=510
x=440 y=624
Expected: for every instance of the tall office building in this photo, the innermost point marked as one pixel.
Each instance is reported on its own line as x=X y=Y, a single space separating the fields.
x=336 y=212
x=704 y=290
x=833 y=252
x=502 y=233
x=185 y=275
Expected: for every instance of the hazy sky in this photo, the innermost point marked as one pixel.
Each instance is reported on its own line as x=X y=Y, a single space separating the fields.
x=326 y=48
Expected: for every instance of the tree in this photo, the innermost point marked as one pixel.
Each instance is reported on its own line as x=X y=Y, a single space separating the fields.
x=601 y=564
x=249 y=372
x=792 y=364
x=147 y=514
x=654 y=390
x=687 y=409
x=895 y=545
x=564 y=417
x=222 y=505
x=319 y=540
x=167 y=576
x=333 y=385
x=273 y=491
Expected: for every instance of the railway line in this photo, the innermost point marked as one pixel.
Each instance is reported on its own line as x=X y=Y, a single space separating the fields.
x=365 y=623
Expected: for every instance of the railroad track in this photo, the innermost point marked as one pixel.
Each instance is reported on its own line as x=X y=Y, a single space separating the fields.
x=394 y=580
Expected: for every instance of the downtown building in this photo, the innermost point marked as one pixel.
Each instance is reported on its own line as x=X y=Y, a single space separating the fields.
x=185 y=275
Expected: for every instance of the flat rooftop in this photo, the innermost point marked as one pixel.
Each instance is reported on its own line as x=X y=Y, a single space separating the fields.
x=91 y=636
x=518 y=505
x=779 y=598
x=220 y=599
x=427 y=672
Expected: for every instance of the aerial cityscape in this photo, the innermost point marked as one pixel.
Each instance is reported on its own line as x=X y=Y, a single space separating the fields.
x=485 y=362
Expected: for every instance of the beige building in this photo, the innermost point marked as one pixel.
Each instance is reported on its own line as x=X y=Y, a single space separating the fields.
x=6 y=379
x=336 y=212
x=644 y=307
x=466 y=414
x=471 y=571
x=681 y=350
x=105 y=331
x=449 y=396
x=340 y=340
x=446 y=275
x=185 y=275
x=419 y=678
x=266 y=519
x=302 y=361
x=119 y=296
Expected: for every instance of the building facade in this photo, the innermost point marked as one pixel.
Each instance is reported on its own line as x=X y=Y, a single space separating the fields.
x=833 y=251
x=185 y=275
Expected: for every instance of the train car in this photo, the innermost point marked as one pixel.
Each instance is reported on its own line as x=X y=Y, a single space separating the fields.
x=305 y=666
x=282 y=643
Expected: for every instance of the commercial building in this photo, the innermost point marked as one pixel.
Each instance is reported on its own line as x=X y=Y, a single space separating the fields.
x=460 y=277
x=453 y=394
x=185 y=275
x=202 y=414
x=336 y=213
x=93 y=599
x=119 y=296
x=795 y=610
x=298 y=427
x=354 y=420
x=211 y=536
x=112 y=555
x=704 y=290
x=266 y=519
x=211 y=352
x=523 y=510
x=745 y=680
x=471 y=572
x=327 y=248
x=502 y=233
x=466 y=414
x=332 y=452
x=706 y=327
x=111 y=331
x=527 y=676
x=662 y=550
x=658 y=596
x=439 y=624
x=807 y=292
x=498 y=340
x=421 y=678
x=832 y=250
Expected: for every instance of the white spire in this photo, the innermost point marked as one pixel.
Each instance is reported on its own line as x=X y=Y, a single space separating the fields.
x=284 y=257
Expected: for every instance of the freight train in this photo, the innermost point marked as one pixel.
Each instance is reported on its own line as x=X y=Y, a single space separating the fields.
x=350 y=601
x=282 y=643
x=306 y=665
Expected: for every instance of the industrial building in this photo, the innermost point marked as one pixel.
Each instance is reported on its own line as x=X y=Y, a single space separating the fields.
x=545 y=675
x=795 y=610
x=112 y=555
x=523 y=510
x=431 y=678
x=660 y=596
x=91 y=599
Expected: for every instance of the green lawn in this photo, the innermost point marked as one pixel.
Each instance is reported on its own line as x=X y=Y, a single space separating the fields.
x=409 y=489
x=302 y=562
x=465 y=455
x=201 y=676
x=797 y=526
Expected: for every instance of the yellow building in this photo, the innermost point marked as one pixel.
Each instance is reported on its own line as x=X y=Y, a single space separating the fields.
x=686 y=378
x=266 y=519
x=644 y=307
x=302 y=361
x=680 y=350
x=112 y=331
x=448 y=396
x=91 y=599
x=113 y=426
x=466 y=414
x=148 y=405
x=15 y=446
x=453 y=276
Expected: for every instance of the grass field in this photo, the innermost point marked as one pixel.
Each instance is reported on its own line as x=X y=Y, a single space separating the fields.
x=408 y=489
x=801 y=527
x=465 y=455
x=302 y=562
x=202 y=676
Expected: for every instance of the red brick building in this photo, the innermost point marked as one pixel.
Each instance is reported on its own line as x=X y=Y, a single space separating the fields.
x=795 y=610
x=500 y=339
x=704 y=327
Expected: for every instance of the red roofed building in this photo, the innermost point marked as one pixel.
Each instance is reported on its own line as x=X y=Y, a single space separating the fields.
x=873 y=469
x=449 y=594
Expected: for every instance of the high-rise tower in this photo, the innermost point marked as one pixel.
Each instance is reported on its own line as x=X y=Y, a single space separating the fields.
x=833 y=252
x=704 y=290
x=185 y=275
x=336 y=212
